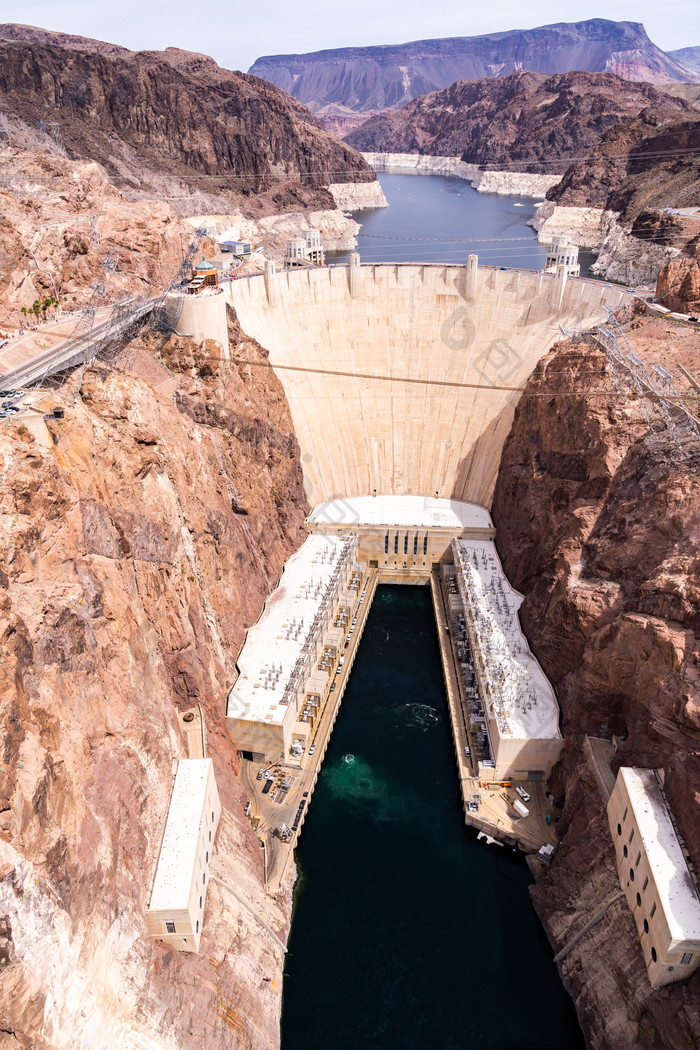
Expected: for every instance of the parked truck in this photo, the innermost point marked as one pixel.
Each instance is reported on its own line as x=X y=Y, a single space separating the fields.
x=520 y=809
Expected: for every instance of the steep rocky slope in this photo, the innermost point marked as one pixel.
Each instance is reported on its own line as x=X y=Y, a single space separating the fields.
x=135 y=552
x=173 y=122
x=599 y=525
x=636 y=167
x=526 y=121
x=365 y=79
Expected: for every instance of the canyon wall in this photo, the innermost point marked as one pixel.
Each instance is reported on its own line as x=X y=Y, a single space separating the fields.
x=136 y=550
x=598 y=524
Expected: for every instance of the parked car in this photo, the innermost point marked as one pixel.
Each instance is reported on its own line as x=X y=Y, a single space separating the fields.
x=523 y=794
x=260 y=774
x=312 y=749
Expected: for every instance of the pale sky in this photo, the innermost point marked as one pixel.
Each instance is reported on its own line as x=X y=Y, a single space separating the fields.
x=237 y=33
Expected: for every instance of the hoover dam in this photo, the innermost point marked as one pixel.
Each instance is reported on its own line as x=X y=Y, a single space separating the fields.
x=403 y=379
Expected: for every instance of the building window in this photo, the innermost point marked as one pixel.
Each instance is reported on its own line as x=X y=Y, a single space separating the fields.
x=687 y=959
x=646 y=883
x=652 y=913
x=405 y=544
x=646 y=926
x=631 y=874
x=204 y=877
x=639 y=857
x=425 y=544
x=624 y=850
x=415 y=544
x=653 y=954
x=200 y=902
x=396 y=543
x=619 y=829
x=639 y=900
x=386 y=543
x=212 y=816
x=210 y=836
x=207 y=856
x=624 y=815
x=196 y=929
x=631 y=834
x=170 y=927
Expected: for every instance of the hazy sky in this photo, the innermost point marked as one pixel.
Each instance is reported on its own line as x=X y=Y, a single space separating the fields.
x=237 y=33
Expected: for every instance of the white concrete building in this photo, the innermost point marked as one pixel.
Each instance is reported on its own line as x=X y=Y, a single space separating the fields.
x=402 y=536
x=290 y=655
x=520 y=707
x=176 y=909
x=561 y=253
x=654 y=877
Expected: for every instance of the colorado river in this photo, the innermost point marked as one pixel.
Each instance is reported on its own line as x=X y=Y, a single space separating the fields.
x=439 y=218
x=407 y=932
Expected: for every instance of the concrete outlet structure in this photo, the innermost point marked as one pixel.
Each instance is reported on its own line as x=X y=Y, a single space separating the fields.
x=176 y=909
x=654 y=877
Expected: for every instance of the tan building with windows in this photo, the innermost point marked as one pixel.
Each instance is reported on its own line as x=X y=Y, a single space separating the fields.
x=654 y=877
x=176 y=908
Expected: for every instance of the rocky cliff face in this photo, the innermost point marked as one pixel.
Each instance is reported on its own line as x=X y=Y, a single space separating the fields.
x=135 y=553
x=598 y=525
x=362 y=79
x=174 y=121
x=522 y=121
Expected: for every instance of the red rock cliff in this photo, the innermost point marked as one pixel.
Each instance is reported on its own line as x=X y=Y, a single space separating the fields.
x=135 y=553
x=599 y=525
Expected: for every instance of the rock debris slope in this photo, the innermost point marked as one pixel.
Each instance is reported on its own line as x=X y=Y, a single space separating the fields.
x=135 y=553
x=599 y=525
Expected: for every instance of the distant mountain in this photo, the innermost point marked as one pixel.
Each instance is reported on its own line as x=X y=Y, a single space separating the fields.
x=689 y=57
x=370 y=79
x=526 y=121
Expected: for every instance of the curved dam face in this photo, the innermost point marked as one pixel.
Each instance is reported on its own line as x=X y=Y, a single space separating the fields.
x=403 y=379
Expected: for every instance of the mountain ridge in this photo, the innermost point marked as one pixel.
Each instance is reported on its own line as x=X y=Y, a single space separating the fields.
x=343 y=81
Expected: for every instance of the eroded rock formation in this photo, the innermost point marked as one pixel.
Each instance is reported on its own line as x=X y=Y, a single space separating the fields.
x=135 y=553
x=598 y=524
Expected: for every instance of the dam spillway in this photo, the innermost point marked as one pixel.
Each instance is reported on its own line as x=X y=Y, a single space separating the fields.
x=403 y=379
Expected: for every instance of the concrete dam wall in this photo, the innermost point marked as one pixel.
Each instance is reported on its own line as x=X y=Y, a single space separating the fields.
x=403 y=379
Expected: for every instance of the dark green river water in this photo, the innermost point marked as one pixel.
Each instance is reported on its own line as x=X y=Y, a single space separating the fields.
x=408 y=934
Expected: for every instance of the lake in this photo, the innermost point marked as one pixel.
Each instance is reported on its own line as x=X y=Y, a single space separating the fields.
x=438 y=218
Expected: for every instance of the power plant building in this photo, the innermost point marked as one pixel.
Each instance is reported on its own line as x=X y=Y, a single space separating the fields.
x=520 y=710
x=655 y=877
x=176 y=908
x=290 y=656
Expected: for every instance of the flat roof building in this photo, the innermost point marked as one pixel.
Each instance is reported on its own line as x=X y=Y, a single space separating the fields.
x=520 y=707
x=403 y=537
x=176 y=909
x=655 y=877
x=290 y=655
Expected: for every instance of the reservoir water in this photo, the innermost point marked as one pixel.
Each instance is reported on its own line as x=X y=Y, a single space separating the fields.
x=438 y=218
x=408 y=934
